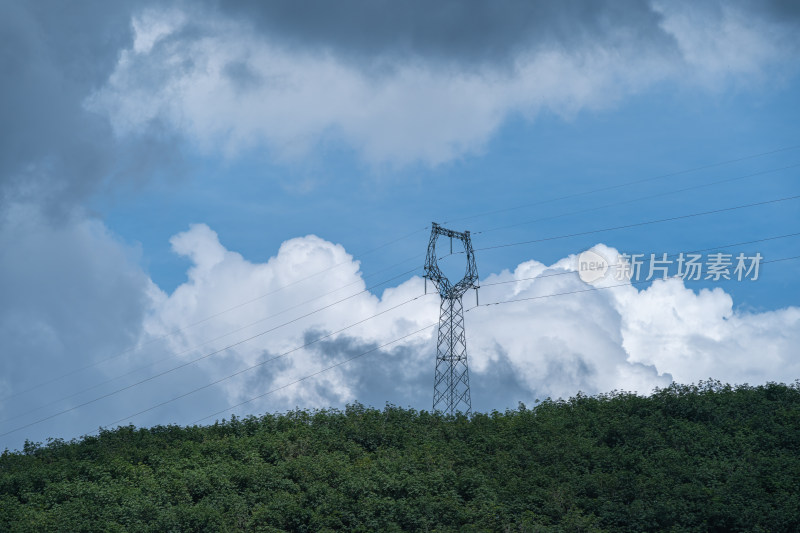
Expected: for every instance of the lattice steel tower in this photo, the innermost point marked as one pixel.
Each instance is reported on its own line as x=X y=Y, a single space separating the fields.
x=451 y=383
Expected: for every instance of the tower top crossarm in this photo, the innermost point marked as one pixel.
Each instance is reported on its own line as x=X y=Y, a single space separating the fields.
x=432 y=272
x=441 y=230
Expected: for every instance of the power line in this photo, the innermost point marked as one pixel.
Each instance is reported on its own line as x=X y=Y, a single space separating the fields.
x=429 y=326
x=637 y=224
x=639 y=199
x=783 y=259
x=540 y=297
x=170 y=370
x=223 y=336
x=419 y=331
x=628 y=183
x=417 y=231
x=712 y=165
x=645 y=260
x=175 y=332
x=362 y=254
x=529 y=242
x=345 y=361
x=526 y=205
x=483 y=284
x=262 y=363
x=172 y=356
x=500 y=246
x=237 y=306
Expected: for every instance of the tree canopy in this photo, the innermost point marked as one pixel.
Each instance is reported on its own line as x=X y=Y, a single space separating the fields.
x=705 y=457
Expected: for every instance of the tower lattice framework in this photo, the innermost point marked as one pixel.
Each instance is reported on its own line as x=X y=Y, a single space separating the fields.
x=451 y=382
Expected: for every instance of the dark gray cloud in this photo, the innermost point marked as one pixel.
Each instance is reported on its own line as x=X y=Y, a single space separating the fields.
x=53 y=151
x=401 y=375
x=71 y=296
x=378 y=377
x=475 y=32
x=787 y=11
x=71 y=293
x=500 y=385
x=55 y=53
x=450 y=30
x=316 y=70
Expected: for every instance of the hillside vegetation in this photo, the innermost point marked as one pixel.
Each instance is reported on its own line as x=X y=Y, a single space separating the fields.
x=707 y=457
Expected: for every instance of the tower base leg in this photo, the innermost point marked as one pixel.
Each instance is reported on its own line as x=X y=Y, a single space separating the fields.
x=451 y=382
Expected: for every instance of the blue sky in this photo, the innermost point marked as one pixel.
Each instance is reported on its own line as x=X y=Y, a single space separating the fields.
x=173 y=172
x=524 y=163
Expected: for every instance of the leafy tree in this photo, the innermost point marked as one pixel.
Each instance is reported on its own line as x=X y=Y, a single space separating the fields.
x=700 y=457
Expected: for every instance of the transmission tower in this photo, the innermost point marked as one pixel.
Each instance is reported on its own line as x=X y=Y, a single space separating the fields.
x=451 y=383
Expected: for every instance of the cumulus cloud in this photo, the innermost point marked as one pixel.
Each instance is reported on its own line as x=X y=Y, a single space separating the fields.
x=403 y=82
x=701 y=334
x=284 y=290
x=590 y=341
x=102 y=90
x=306 y=309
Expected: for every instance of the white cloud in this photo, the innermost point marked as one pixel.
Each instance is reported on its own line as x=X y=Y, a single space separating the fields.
x=718 y=42
x=595 y=341
x=229 y=88
x=92 y=301
x=701 y=335
x=279 y=291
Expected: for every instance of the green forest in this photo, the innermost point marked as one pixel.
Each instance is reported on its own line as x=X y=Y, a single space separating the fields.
x=704 y=457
